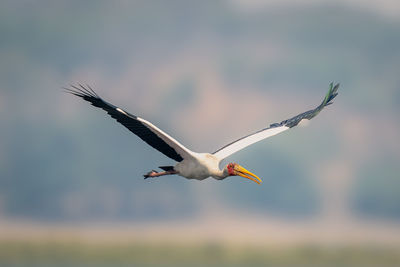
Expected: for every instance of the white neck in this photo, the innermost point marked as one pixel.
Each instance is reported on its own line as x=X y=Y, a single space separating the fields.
x=221 y=174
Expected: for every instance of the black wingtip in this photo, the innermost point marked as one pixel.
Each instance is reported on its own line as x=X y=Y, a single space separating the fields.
x=90 y=88
x=332 y=93
x=84 y=91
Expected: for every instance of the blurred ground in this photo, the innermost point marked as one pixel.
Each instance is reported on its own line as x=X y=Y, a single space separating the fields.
x=249 y=230
x=213 y=254
x=228 y=242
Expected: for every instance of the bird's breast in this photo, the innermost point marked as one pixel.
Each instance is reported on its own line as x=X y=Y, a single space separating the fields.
x=200 y=167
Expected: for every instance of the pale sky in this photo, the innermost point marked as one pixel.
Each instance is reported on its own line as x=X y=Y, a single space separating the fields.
x=387 y=8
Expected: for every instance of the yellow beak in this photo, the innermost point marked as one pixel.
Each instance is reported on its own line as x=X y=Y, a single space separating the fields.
x=240 y=171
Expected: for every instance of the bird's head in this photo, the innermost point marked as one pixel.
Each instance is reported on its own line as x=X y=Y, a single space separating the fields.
x=235 y=169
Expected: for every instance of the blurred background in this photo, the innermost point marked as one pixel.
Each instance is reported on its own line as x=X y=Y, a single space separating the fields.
x=71 y=185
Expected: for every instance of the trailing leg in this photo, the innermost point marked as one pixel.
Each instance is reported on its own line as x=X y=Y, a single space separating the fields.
x=154 y=173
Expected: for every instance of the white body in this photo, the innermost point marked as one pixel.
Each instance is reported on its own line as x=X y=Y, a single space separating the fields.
x=200 y=166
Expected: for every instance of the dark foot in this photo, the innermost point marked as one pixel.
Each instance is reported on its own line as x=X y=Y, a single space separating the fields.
x=153 y=173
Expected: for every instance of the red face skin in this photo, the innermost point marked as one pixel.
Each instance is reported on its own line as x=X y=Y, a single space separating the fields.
x=230 y=168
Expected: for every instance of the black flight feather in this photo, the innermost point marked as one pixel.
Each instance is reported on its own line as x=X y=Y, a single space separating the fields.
x=125 y=118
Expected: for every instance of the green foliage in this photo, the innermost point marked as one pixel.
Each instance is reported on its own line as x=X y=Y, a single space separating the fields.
x=211 y=254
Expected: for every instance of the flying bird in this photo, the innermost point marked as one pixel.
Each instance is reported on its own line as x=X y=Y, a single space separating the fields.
x=193 y=165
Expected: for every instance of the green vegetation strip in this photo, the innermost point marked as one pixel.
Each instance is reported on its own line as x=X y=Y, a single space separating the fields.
x=14 y=252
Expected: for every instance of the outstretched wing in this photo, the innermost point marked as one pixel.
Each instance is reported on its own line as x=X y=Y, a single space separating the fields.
x=275 y=128
x=142 y=128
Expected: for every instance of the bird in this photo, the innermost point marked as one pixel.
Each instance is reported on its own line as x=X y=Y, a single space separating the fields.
x=190 y=164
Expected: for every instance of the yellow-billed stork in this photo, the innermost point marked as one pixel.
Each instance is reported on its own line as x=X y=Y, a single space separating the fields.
x=193 y=165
